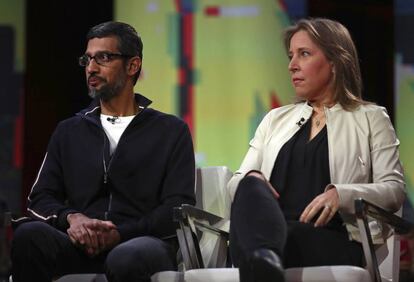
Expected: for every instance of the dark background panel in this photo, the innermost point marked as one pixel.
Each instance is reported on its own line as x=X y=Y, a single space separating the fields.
x=55 y=84
x=9 y=80
x=371 y=24
x=10 y=97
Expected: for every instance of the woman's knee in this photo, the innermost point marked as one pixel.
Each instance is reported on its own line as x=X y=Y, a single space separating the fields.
x=251 y=188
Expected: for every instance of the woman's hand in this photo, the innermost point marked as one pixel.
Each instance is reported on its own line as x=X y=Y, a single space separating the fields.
x=326 y=204
x=261 y=176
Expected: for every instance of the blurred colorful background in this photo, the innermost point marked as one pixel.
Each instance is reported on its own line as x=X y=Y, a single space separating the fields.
x=219 y=66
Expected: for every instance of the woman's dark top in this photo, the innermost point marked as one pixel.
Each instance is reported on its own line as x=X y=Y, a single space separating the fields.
x=301 y=172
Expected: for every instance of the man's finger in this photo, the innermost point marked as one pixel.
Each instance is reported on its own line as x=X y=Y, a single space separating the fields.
x=72 y=238
x=84 y=237
x=100 y=225
x=93 y=240
x=101 y=240
x=109 y=225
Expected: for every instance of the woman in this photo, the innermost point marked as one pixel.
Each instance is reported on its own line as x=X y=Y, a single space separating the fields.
x=293 y=194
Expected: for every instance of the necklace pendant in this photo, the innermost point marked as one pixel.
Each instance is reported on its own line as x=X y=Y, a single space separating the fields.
x=317 y=123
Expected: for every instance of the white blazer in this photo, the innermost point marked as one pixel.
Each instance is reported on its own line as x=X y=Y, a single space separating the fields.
x=363 y=155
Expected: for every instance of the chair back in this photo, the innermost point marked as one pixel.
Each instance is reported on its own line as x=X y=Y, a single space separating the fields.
x=212 y=196
x=211 y=190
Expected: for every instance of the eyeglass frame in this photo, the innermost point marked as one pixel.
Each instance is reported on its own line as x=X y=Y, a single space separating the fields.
x=99 y=61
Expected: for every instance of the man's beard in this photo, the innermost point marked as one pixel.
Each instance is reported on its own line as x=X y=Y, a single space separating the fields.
x=108 y=91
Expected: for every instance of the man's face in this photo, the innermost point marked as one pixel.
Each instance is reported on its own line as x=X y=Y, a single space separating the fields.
x=106 y=74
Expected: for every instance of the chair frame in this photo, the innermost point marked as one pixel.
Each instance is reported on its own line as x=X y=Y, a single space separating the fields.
x=192 y=220
x=363 y=210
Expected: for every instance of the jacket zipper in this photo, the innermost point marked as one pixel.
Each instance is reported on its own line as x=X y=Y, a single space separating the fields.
x=106 y=215
x=106 y=168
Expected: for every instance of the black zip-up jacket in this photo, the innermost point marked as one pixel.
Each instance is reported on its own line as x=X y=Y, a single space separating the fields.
x=151 y=171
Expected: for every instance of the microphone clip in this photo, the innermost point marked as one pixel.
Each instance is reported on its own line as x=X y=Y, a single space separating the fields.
x=300 y=122
x=113 y=119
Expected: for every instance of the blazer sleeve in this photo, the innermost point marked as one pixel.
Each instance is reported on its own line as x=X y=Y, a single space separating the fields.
x=387 y=188
x=254 y=157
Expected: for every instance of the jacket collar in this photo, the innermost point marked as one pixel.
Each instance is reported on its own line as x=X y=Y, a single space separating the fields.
x=334 y=108
x=93 y=111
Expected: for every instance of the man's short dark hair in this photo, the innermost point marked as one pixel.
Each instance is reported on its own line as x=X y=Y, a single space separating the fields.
x=129 y=42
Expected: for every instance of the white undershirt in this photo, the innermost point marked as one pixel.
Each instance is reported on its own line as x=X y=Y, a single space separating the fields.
x=114 y=129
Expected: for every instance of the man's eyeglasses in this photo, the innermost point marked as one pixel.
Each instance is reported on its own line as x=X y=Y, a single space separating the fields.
x=101 y=58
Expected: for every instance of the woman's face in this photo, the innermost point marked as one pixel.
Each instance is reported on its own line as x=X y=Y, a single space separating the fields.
x=311 y=72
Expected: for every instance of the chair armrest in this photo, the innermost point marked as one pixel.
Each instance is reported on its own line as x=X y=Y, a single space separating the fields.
x=365 y=208
x=202 y=219
x=198 y=213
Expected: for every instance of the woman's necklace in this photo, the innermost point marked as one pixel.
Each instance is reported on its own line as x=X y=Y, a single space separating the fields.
x=318 y=119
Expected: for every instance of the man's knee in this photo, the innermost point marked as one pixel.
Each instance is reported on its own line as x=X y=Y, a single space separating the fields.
x=30 y=233
x=32 y=253
x=139 y=258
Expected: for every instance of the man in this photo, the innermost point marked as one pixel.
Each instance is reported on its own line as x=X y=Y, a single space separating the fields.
x=103 y=198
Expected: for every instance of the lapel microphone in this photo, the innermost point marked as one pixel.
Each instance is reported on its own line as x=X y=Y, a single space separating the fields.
x=112 y=119
x=300 y=122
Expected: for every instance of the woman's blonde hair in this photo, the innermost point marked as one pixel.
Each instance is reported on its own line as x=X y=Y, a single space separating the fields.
x=337 y=45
